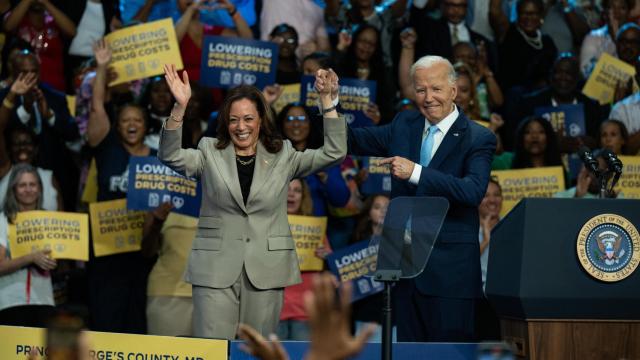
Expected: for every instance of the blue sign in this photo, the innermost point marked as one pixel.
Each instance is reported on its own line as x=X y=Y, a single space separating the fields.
x=229 y=62
x=152 y=183
x=357 y=263
x=378 y=179
x=355 y=96
x=567 y=120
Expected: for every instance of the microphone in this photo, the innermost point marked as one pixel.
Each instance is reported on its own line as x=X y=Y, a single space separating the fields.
x=588 y=160
x=613 y=161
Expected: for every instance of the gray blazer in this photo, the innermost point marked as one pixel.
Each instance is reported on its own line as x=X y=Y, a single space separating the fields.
x=231 y=235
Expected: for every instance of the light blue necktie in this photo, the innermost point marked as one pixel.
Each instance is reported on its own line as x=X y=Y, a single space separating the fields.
x=427 y=146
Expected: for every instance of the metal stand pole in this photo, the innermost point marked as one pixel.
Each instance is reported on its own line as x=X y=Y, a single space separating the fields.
x=386 y=323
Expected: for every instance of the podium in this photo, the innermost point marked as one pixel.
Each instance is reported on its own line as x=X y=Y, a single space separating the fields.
x=554 y=281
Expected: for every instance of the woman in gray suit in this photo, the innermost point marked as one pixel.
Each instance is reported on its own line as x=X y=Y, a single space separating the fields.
x=243 y=255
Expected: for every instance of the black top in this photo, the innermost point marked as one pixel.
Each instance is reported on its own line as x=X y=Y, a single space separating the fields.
x=521 y=64
x=245 y=164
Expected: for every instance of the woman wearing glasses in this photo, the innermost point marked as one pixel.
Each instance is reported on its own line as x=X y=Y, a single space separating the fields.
x=286 y=37
x=326 y=187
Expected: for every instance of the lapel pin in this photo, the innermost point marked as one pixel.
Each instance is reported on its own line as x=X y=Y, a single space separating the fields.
x=456 y=134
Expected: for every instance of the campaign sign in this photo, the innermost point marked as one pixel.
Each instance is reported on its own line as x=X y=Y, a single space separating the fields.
x=608 y=73
x=629 y=183
x=151 y=183
x=357 y=263
x=141 y=51
x=566 y=120
x=229 y=62
x=525 y=183
x=65 y=234
x=115 y=229
x=355 y=96
x=308 y=233
x=378 y=179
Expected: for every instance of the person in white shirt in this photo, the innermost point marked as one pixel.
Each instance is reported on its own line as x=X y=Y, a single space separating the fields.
x=26 y=293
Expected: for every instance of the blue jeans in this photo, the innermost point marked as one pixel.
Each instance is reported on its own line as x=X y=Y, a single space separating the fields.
x=297 y=330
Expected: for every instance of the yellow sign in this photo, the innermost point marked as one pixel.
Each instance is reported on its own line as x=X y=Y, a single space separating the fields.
x=608 y=247
x=602 y=82
x=629 y=183
x=66 y=234
x=71 y=104
x=308 y=233
x=115 y=229
x=522 y=183
x=141 y=51
x=482 y=123
x=17 y=342
x=290 y=94
x=90 y=192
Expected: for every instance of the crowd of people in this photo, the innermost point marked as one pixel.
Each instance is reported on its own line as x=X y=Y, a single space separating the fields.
x=510 y=58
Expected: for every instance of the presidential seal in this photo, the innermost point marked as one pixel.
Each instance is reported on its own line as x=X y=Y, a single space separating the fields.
x=608 y=247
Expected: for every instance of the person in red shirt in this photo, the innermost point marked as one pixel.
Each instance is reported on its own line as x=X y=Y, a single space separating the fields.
x=42 y=24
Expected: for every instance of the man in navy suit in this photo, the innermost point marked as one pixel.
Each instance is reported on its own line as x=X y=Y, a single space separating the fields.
x=437 y=151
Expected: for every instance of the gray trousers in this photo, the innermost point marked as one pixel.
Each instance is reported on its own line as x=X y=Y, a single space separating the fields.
x=217 y=312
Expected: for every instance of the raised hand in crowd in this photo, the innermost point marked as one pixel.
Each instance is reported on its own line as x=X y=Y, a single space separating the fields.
x=41 y=101
x=271 y=93
x=330 y=321
x=408 y=38
x=256 y=345
x=344 y=40
x=99 y=125
x=24 y=83
x=373 y=112
x=495 y=122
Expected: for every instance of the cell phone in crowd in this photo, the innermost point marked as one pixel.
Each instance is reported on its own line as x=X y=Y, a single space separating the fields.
x=62 y=336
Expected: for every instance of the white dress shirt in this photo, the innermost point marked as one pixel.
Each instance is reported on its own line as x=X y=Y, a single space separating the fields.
x=444 y=127
x=463 y=32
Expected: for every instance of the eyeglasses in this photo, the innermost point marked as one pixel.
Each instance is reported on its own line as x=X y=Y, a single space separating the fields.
x=299 y=118
x=289 y=40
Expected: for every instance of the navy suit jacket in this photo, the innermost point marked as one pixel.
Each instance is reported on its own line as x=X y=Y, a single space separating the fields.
x=459 y=172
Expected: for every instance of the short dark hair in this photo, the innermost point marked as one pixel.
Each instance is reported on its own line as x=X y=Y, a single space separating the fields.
x=269 y=136
x=283 y=28
x=538 y=3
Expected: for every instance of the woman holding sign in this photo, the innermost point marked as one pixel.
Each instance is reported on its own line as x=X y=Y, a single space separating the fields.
x=26 y=294
x=243 y=254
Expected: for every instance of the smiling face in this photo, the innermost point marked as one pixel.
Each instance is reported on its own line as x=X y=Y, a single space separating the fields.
x=131 y=126
x=491 y=204
x=565 y=76
x=535 y=139
x=463 y=52
x=296 y=125
x=464 y=96
x=628 y=45
x=365 y=44
x=294 y=197
x=529 y=18
x=378 y=209
x=244 y=126
x=27 y=190
x=434 y=92
x=22 y=148
x=611 y=137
